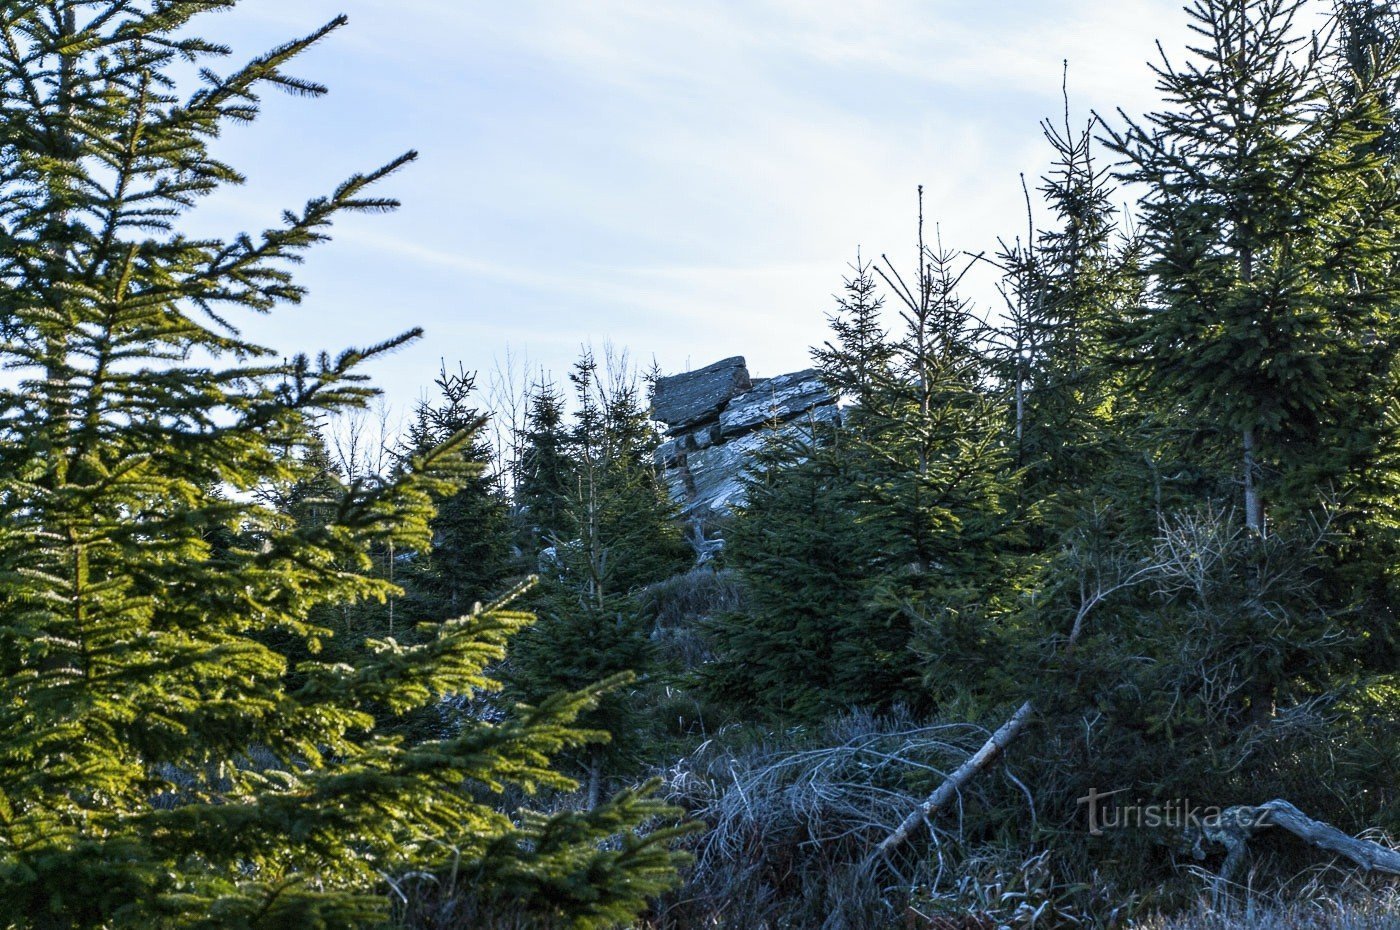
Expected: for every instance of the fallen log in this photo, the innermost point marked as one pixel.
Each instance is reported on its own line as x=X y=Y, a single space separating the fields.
x=1371 y=857
x=954 y=783
x=1233 y=827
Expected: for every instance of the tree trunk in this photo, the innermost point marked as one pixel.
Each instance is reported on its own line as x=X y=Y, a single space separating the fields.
x=1234 y=827
x=595 y=777
x=1020 y=406
x=1253 y=498
x=1371 y=857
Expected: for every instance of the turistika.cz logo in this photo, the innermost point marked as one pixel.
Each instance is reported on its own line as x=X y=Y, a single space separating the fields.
x=1104 y=813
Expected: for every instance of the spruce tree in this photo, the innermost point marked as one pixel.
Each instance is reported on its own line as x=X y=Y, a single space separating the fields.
x=545 y=471
x=1264 y=351
x=806 y=643
x=1269 y=224
x=1064 y=286
x=875 y=558
x=472 y=555
x=623 y=535
x=1368 y=41
x=857 y=359
x=161 y=763
x=934 y=470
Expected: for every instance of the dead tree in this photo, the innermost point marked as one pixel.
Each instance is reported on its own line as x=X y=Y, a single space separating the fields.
x=1233 y=827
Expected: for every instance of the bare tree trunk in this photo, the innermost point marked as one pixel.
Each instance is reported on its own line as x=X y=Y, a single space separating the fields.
x=57 y=237
x=595 y=777
x=1235 y=825
x=1371 y=857
x=1020 y=404
x=1253 y=499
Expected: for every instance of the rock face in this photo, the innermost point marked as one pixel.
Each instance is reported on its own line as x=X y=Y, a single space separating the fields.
x=717 y=417
x=774 y=400
x=684 y=400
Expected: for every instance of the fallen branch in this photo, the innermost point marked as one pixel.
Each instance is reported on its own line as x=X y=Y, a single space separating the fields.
x=955 y=782
x=1233 y=827
x=1371 y=857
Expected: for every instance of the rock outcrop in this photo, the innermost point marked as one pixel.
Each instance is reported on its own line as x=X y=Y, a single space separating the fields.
x=717 y=417
x=695 y=397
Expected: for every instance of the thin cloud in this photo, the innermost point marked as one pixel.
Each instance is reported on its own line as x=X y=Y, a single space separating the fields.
x=687 y=179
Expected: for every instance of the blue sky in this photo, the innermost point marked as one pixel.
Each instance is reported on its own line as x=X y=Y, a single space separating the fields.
x=684 y=179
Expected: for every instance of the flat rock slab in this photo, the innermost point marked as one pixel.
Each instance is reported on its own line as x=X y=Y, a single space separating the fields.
x=775 y=400
x=684 y=400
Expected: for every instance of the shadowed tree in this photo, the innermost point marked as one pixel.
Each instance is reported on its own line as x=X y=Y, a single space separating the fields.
x=616 y=532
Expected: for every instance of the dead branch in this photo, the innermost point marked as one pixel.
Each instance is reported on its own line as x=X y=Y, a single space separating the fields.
x=1233 y=827
x=1371 y=857
x=953 y=785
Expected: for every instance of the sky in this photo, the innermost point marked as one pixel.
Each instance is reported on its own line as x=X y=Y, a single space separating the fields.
x=685 y=179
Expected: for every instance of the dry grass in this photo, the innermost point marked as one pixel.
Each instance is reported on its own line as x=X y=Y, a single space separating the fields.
x=1309 y=909
x=792 y=821
x=680 y=607
x=996 y=888
x=701 y=592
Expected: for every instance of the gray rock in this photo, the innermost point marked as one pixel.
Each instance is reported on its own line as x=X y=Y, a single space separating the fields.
x=714 y=478
x=668 y=453
x=704 y=437
x=719 y=419
x=826 y=413
x=675 y=479
x=712 y=482
x=778 y=399
x=681 y=401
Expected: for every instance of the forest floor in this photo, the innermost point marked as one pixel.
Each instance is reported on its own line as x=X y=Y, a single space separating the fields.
x=1380 y=912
